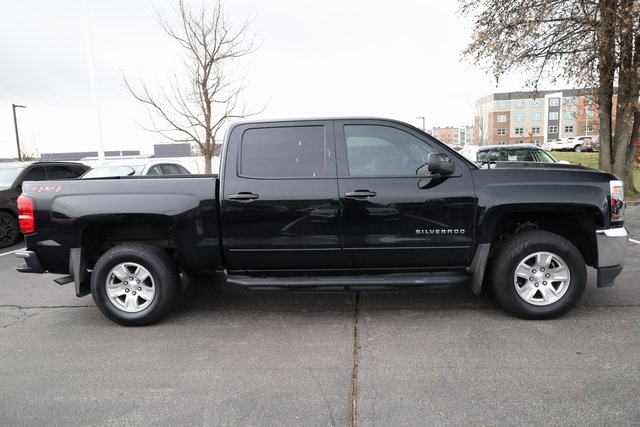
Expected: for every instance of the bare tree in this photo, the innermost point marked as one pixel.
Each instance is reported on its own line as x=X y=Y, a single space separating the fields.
x=593 y=43
x=196 y=111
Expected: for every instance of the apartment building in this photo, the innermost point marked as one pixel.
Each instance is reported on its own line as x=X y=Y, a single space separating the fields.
x=528 y=117
x=451 y=135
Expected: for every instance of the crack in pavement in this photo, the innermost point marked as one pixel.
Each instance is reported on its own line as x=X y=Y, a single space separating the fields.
x=12 y=314
x=356 y=357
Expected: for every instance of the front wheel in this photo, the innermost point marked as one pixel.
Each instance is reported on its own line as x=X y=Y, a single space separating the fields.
x=538 y=275
x=577 y=149
x=134 y=284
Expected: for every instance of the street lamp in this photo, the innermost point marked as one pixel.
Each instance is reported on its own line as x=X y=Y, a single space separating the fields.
x=423 y=129
x=15 y=124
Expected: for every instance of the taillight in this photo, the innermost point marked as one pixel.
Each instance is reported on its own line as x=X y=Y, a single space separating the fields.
x=26 y=215
x=617 y=201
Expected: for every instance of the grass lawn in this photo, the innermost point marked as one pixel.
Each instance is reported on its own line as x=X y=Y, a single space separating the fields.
x=591 y=160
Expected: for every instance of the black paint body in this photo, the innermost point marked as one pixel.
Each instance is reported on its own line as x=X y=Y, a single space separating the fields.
x=329 y=223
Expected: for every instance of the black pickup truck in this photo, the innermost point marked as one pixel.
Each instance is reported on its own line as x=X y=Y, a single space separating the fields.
x=331 y=203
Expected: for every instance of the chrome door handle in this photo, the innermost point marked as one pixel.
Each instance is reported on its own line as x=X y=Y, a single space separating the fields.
x=243 y=196
x=360 y=194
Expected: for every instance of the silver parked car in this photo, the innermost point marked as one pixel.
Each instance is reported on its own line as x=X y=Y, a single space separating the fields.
x=507 y=153
x=131 y=167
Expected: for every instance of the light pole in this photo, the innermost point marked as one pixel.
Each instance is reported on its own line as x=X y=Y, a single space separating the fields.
x=15 y=124
x=586 y=126
x=422 y=117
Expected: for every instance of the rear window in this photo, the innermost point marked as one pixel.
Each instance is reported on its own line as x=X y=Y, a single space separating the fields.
x=109 y=171
x=64 y=171
x=8 y=176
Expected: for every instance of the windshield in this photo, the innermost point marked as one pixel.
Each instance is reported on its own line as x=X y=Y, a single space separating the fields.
x=109 y=171
x=515 y=155
x=8 y=176
x=545 y=157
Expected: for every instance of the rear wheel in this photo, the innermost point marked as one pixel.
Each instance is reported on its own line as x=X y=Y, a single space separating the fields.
x=9 y=231
x=538 y=275
x=578 y=148
x=134 y=284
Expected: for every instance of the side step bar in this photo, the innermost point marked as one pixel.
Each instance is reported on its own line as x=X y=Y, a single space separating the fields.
x=390 y=281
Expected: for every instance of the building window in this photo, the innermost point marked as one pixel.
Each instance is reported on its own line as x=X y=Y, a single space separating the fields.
x=553 y=115
x=502 y=131
x=589 y=129
x=519 y=103
x=535 y=129
x=568 y=115
x=536 y=142
x=568 y=129
x=553 y=129
x=519 y=117
x=520 y=142
x=554 y=102
x=502 y=118
x=591 y=114
x=519 y=131
x=535 y=103
x=501 y=105
x=502 y=143
x=535 y=117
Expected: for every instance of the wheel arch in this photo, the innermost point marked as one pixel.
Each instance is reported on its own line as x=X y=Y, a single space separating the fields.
x=576 y=224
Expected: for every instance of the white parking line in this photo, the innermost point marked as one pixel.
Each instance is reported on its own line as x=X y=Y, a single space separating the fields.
x=635 y=241
x=9 y=253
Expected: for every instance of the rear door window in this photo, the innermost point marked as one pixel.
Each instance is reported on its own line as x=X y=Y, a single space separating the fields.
x=285 y=152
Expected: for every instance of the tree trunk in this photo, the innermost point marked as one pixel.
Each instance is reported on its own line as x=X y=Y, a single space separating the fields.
x=631 y=155
x=207 y=162
x=606 y=71
x=626 y=113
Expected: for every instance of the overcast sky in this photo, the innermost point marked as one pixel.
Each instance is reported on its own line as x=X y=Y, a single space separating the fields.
x=315 y=58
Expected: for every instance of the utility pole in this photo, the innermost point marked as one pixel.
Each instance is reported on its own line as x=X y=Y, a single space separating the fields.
x=422 y=117
x=15 y=124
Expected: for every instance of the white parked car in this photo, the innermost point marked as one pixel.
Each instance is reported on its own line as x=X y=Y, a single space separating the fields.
x=507 y=153
x=564 y=144
x=130 y=167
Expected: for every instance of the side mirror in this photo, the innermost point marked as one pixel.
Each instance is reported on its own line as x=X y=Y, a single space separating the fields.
x=440 y=164
x=437 y=166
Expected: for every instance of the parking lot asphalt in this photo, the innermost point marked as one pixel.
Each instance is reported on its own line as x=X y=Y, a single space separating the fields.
x=232 y=357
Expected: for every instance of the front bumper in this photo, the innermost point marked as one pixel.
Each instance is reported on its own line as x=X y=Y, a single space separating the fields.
x=612 y=249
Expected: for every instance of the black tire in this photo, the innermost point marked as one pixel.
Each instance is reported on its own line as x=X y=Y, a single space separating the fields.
x=135 y=284
x=9 y=230
x=577 y=148
x=556 y=269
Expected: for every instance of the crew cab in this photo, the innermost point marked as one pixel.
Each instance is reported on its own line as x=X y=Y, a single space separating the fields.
x=331 y=203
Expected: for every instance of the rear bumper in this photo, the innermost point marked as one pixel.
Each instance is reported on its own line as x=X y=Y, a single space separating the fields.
x=612 y=249
x=32 y=263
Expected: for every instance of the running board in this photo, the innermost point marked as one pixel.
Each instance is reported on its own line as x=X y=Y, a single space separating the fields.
x=389 y=281
x=64 y=280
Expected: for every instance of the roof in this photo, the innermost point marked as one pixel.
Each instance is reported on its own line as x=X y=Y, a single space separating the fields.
x=508 y=146
x=29 y=163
